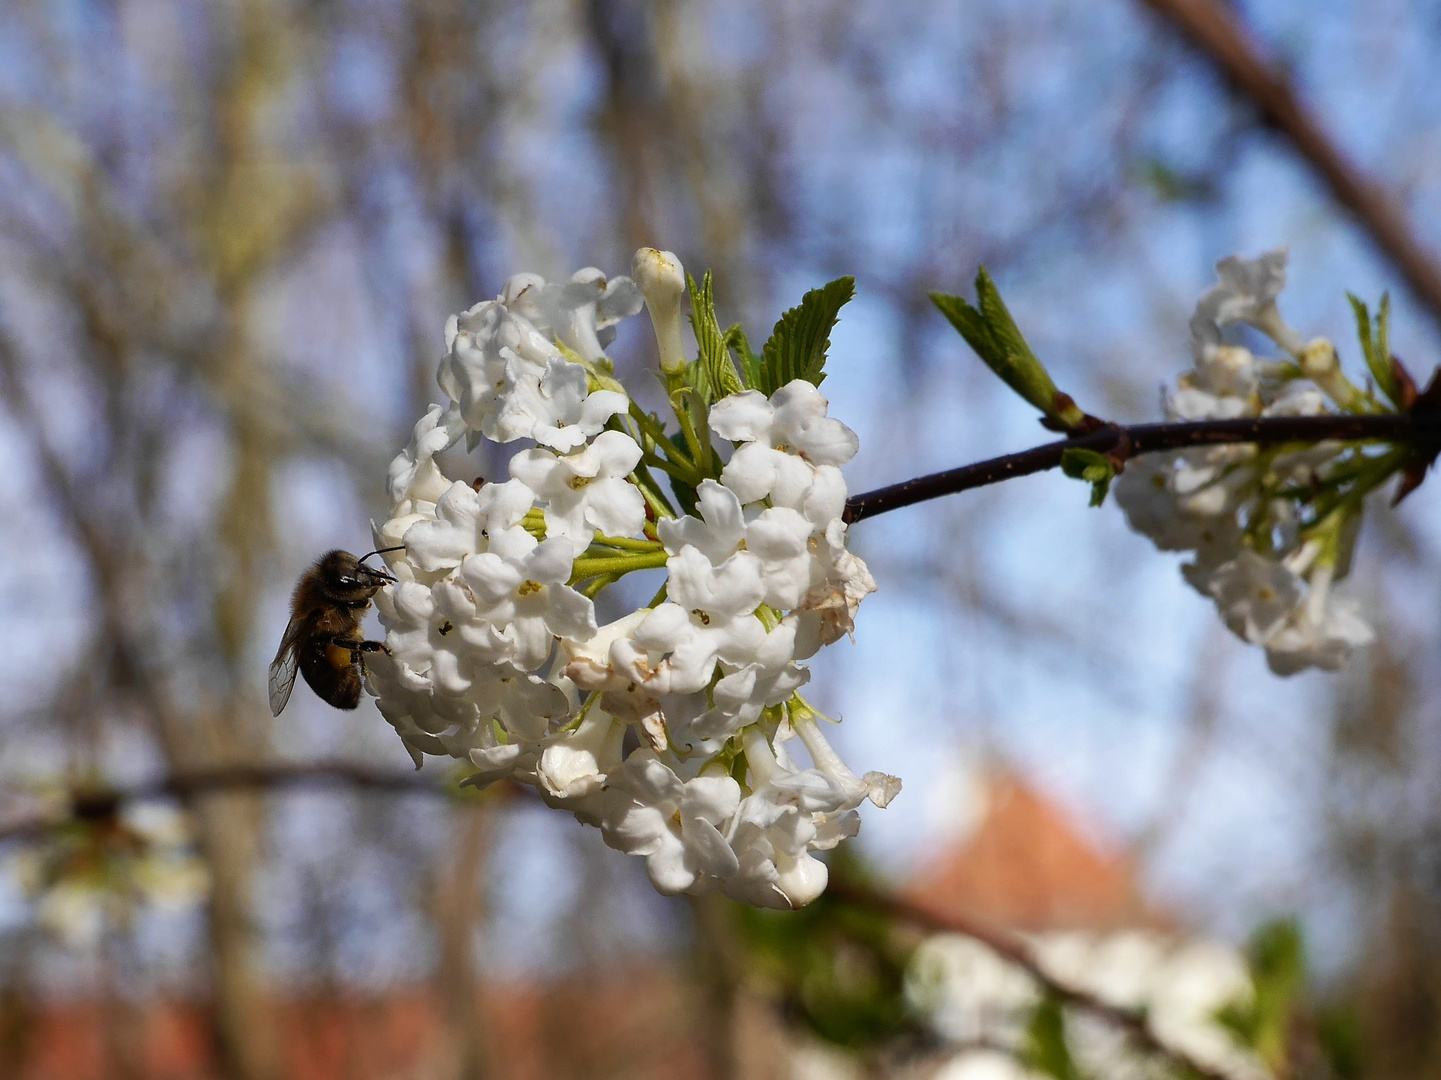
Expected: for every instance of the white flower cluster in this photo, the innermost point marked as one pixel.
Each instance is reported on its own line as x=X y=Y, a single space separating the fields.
x=666 y=728
x=1259 y=548
x=971 y=996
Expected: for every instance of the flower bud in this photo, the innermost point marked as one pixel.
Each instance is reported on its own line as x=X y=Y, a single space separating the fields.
x=1319 y=361
x=1322 y=366
x=661 y=279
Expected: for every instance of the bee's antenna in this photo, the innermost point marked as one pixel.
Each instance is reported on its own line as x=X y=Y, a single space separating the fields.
x=382 y=551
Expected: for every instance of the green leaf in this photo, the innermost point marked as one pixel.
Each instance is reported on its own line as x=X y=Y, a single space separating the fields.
x=1262 y=1020
x=990 y=330
x=798 y=344
x=718 y=376
x=1342 y=1040
x=752 y=365
x=1377 y=347
x=1095 y=469
x=1045 y=1048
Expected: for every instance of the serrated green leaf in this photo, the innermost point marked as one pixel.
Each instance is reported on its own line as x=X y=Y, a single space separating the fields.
x=752 y=365
x=1045 y=1048
x=1094 y=468
x=798 y=343
x=718 y=370
x=992 y=333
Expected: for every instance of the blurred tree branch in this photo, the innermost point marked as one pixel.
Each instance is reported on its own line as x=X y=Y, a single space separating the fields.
x=1223 y=40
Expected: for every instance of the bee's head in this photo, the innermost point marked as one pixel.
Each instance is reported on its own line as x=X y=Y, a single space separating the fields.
x=347 y=579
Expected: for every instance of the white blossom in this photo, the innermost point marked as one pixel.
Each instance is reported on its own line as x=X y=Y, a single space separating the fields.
x=777 y=536
x=468 y=521
x=1255 y=595
x=1322 y=631
x=492 y=651
x=709 y=616
x=586 y=491
x=784 y=439
x=672 y=823
x=581 y=313
x=1227 y=505
x=528 y=599
x=509 y=380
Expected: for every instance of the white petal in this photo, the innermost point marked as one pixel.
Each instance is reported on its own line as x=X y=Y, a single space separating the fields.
x=743 y=417
x=571 y=615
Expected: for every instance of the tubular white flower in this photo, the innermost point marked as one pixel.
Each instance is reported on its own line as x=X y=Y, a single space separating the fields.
x=1246 y=291
x=661 y=280
x=878 y=787
x=468 y=521
x=508 y=379
x=413 y=479
x=580 y=313
x=778 y=537
x=673 y=823
x=526 y=600
x=784 y=439
x=1322 y=631
x=586 y=491
x=1255 y=595
x=710 y=616
x=576 y=765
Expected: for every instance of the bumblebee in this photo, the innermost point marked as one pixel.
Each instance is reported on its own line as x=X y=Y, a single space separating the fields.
x=323 y=640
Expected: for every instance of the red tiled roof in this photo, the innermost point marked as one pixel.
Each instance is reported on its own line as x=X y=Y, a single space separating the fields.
x=1027 y=867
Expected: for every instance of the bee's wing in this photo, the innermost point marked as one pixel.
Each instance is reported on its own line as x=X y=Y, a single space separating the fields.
x=284 y=667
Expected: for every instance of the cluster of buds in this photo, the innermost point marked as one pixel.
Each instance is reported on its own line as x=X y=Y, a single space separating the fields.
x=1270 y=529
x=671 y=728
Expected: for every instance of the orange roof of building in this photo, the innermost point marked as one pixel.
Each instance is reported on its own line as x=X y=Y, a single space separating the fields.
x=1026 y=866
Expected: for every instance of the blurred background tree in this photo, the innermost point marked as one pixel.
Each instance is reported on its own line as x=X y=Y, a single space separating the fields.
x=231 y=234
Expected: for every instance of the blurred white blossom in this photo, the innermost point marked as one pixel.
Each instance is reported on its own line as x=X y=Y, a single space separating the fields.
x=1263 y=549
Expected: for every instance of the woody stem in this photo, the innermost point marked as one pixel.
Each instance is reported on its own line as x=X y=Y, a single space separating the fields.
x=1421 y=429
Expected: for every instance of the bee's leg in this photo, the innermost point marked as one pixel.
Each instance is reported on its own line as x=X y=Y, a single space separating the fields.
x=358 y=649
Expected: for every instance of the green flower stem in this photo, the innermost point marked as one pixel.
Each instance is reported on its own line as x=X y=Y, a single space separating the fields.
x=684 y=474
x=1367 y=478
x=1377 y=473
x=594 y=589
x=654 y=498
x=626 y=543
x=674 y=462
x=659 y=598
x=676 y=391
x=618 y=565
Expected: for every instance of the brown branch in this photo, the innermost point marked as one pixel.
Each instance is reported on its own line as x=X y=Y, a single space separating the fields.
x=1423 y=428
x=91 y=804
x=97 y=804
x=1016 y=950
x=1216 y=32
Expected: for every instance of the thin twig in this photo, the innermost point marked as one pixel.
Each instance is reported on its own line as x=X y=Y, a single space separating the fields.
x=1216 y=32
x=101 y=802
x=1018 y=952
x=1149 y=438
